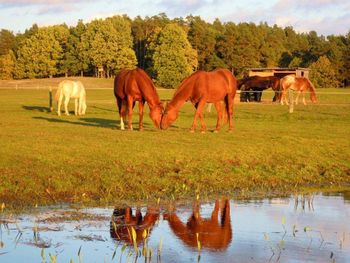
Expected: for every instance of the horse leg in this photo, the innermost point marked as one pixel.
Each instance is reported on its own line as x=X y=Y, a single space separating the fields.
x=122 y=113
x=282 y=97
x=141 y=106
x=130 y=105
x=304 y=101
x=215 y=213
x=284 y=94
x=199 y=108
x=66 y=101
x=59 y=103
x=119 y=105
x=219 y=115
x=76 y=107
x=229 y=104
x=297 y=98
x=80 y=106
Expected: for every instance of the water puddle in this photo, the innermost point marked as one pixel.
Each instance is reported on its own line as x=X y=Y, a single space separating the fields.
x=312 y=228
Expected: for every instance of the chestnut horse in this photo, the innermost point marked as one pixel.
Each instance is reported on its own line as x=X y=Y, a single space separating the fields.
x=123 y=220
x=299 y=84
x=257 y=84
x=212 y=234
x=135 y=85
x=201 y=88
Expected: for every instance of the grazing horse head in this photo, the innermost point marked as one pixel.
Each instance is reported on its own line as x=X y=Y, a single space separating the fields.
x=156 y=114
x=170 y=114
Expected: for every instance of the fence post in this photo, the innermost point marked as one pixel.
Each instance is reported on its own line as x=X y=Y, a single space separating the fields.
x=291 y=100
x=50 y=99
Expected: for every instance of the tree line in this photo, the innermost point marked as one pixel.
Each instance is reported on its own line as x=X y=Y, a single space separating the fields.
x=170 y=49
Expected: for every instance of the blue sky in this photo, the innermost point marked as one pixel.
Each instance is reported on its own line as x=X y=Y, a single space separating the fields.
x=326 y=17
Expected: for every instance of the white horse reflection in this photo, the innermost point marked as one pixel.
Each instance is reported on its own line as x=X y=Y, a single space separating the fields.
x=68 y=89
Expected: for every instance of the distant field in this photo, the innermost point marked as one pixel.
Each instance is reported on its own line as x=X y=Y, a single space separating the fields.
x=46 y=159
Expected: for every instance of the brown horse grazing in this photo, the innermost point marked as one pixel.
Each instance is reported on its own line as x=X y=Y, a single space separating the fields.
x=299 y=84
x=212 y=234
x=135 y=85
x=202 y=87
x=257 y=84
x=123 y=220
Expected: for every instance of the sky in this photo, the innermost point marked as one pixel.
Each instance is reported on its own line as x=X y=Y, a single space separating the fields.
x=326 y=17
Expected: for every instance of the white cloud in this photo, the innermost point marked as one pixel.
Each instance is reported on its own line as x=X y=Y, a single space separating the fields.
x=323 y=16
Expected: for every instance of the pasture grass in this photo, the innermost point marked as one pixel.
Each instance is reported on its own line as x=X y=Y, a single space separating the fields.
x=45 y=159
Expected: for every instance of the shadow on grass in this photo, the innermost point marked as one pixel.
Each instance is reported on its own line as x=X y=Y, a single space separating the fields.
x=104 y=109
x=91 y=122
x=36 y=108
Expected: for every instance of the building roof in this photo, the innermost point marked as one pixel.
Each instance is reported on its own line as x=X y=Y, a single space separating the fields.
x=278 y=69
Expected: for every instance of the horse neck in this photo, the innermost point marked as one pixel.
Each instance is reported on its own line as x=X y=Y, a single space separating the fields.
x=182 y=94
x=151 y=97
x=149 y=93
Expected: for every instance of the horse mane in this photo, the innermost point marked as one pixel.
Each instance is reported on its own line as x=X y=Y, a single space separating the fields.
x=181 y=89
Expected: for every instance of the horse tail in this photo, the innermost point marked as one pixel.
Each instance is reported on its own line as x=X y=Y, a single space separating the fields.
x=233 y=84
x=59 y=91
x=225 y=111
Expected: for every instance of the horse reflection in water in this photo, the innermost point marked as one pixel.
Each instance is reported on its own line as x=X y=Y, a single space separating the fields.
x=123 y=219
x=212 y=234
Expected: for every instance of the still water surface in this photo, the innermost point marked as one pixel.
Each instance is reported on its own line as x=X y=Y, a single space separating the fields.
x=313 y=228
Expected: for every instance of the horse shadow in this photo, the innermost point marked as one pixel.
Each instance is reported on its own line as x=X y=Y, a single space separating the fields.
x=104 y=109
x=36 y=108
x=90 y=122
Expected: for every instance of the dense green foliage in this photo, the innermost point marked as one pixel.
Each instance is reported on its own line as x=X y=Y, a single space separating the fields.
x=103 y=47
x=174 y=58
x=47 y=159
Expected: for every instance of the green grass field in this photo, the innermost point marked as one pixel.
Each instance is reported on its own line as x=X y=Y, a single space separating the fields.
x=45 y=159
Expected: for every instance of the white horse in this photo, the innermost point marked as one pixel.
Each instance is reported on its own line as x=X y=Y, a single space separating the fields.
x=71 y=89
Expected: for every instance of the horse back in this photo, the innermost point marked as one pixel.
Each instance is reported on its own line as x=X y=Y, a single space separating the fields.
x=222 y=80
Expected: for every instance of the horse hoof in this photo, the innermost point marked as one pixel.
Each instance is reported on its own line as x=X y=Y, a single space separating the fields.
x=202 y=132
x=215 y=131
x=191 y=131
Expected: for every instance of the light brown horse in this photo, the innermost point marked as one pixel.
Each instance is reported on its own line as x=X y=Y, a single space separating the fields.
x=123 y=220
x=135 y=85
x=201 y=88
x=299 y=84
x=212 y=234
